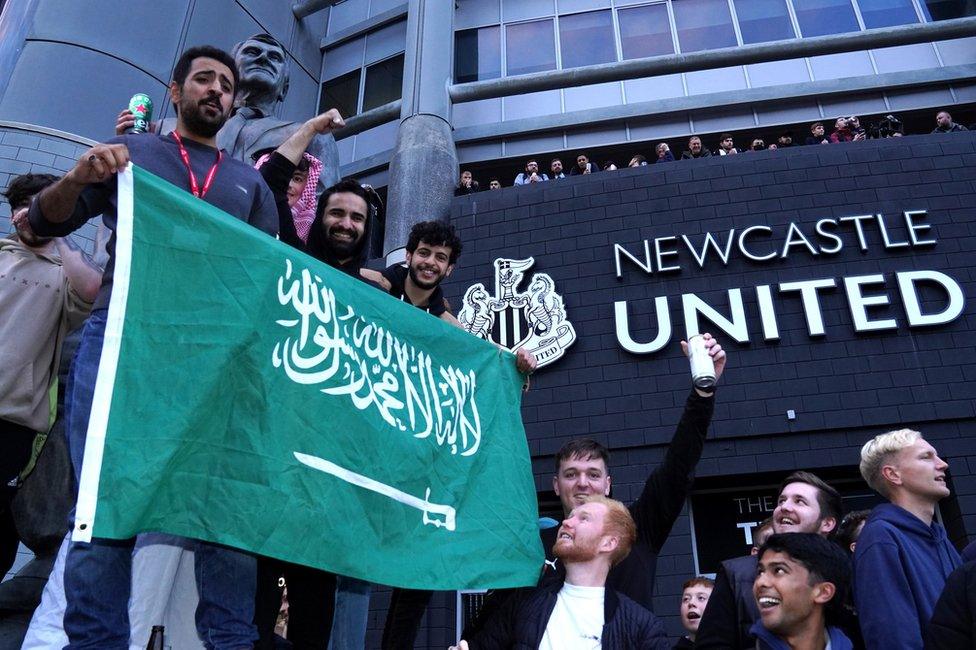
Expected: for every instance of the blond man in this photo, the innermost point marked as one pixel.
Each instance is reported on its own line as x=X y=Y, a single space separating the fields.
x=903 y=556
x=580 y=612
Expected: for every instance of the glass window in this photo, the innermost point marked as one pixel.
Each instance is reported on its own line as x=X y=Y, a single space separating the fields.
x=645 y=31
x=384 y=82
x=761 y=21
x=477 y=54
x=885 y=13
x=946 y=9
x=587 y=38
x=822 y=17
x=530 y=47
x=342 y=93
x=703 y=24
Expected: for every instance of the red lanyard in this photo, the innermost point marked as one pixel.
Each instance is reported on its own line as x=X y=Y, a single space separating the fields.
x=208 y=181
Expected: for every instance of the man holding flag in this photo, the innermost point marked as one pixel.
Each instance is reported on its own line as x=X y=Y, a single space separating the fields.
x=97 y=574
x=244 y=393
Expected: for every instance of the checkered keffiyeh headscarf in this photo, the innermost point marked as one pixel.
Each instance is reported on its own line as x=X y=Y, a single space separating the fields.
x=303 y=212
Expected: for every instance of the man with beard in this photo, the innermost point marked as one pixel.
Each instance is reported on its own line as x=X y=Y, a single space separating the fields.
x=252 y=129
x=46 y=290
x=580 y=610
x=801 y=582
x=582 y=472
x=806 y=505
x=433 y=248
x=98 y=575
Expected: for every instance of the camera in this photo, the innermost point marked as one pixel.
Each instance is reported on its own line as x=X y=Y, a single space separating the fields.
x=886 y=127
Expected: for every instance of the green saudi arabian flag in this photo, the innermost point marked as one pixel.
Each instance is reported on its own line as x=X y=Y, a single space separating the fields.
x=253 y=396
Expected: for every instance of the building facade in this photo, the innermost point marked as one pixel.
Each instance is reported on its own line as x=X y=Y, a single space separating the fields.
x=795 y=395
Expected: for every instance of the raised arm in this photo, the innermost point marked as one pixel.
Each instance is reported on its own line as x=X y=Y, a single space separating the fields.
x=667 y=486
x=295 y=146
x=81 y=271
x=60 y=208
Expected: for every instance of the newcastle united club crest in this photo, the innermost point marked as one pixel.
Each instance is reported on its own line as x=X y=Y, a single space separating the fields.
x=534 y=319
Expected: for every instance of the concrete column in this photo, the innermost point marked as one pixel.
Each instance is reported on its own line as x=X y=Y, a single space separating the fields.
x=423 y=168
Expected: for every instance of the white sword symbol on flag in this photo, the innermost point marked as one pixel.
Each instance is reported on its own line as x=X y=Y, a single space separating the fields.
x=424 y=505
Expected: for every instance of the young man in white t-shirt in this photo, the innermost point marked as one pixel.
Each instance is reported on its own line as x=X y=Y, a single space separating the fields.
x=580 y=613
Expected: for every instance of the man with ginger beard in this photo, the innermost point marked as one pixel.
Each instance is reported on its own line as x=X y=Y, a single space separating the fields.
x=579 y=611
x=806 y=504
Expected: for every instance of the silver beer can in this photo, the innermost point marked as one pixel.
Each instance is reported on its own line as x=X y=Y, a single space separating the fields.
x=702 y=365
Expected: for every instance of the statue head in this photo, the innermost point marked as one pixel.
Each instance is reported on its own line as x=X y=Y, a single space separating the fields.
x=263 y=65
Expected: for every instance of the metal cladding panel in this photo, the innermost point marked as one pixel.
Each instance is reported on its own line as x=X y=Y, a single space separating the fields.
x=222 y=23
x=596 y=137
x=103 y=27
x=73 y=89
x=276 y=18
x=531 y=145
x=376 y=140
x=593 y=96
x=774 y=73
x=713 y=81
x=902 y=100
x=907 y=57
x=965 y=92
x=483 y=111
x=344 y=15
x=801 y=110
x=299 y=104
x=476 y=13
x=957 y=51
x=307 y=38
x=651 y=88
x=532 y=104
x=852 y=105
x=838 y=66
x=514 y=10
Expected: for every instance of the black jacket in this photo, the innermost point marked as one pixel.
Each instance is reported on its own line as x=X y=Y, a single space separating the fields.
x=731 y=608
x=953 y=624
x=654 y=512
x=626 y=624
x=576 y=171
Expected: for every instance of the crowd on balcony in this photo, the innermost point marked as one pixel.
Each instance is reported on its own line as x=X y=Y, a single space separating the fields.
x=845 y=129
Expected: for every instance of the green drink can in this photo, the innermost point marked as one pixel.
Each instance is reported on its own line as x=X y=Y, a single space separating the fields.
x=141 y=106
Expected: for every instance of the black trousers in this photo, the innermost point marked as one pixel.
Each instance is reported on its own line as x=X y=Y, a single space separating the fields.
x=407 y=607
x=16 y=444
x=311 y=604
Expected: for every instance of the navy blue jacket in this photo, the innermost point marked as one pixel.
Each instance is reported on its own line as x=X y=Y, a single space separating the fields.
x=766 y=640
x=900 y=567
x=627 y=625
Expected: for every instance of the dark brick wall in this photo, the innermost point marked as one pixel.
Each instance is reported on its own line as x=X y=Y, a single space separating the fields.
x=844 y=387
x=24 y=152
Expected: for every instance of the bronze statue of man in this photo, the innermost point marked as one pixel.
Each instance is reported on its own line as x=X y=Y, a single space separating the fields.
x=263 y=66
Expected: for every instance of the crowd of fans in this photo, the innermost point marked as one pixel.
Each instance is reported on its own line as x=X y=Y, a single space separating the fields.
x=846 y=129
x=815 y=578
